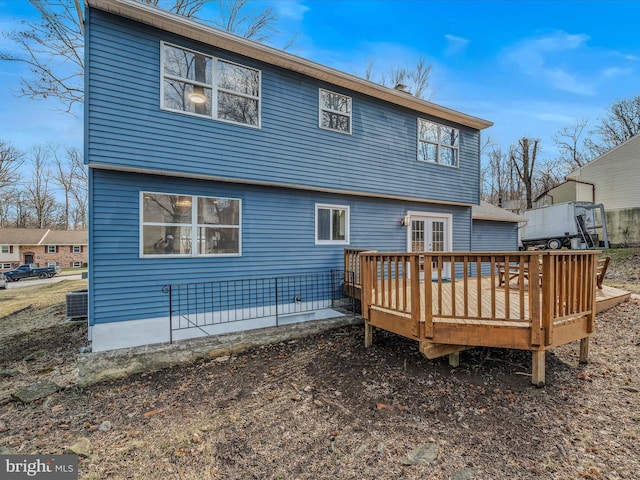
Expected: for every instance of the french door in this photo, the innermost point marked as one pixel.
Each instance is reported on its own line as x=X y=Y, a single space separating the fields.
x=428 y=233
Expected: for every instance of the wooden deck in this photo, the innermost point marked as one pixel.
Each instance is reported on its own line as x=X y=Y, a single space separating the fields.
x=446 y=316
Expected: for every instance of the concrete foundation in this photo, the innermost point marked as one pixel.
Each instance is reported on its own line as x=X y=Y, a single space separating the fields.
x=96 y=367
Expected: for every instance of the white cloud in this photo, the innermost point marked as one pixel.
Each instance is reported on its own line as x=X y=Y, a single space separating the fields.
x=291 y=9
x=545 y=58
x=612 y=72
x=455 y=44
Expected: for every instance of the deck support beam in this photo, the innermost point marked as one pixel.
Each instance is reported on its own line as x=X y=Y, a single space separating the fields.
x=368 y=335
x=537 y=368
x=584 y=350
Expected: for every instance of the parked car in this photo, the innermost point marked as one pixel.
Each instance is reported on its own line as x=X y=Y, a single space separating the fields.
x=30 y=270
x=3 y=281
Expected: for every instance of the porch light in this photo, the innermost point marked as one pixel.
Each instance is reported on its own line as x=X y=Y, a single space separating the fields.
x=197 y=97
x=406 y=220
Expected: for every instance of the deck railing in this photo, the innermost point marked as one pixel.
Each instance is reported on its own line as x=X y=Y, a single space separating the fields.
x=538 y=289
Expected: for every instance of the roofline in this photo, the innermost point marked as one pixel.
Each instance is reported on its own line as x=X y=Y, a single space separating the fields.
x=577 y=170
x=498 y=219
x=186 y=27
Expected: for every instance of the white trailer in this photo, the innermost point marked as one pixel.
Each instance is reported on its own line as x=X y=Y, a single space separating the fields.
x=575 y=225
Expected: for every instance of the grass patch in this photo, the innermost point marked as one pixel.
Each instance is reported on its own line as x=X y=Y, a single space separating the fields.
x=40 y=296
x=621 y=253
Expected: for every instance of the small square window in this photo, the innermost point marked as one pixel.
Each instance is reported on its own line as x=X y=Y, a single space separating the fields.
x=77 y=249
x=4 y=249
x=335 y=111
x=332 y=224
x=51 y=249
x=438 y=143
x=76 y=264
x=51 y=264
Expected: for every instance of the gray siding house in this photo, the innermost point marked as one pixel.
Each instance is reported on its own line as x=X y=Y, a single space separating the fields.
x=217 y=163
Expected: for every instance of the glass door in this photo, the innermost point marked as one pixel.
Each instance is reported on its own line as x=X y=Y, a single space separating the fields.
x=430 y=234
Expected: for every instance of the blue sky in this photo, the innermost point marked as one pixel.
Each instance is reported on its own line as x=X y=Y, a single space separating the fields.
x=530 y=67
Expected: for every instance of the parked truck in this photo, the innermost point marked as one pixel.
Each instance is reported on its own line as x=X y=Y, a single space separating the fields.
x=575 y=225
x=30 y=270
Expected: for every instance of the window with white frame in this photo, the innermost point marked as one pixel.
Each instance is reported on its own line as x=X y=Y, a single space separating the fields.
x=5 y=266
x=199 y=84
x=5 y=249
x=76 y=264
x=438 y=143
x=77 y=249
x=332 y=224
x=51 y=249
x=186 y=225
x=51 y=264
x=335 y=111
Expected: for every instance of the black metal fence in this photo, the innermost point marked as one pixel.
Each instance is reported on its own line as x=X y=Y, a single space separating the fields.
x=205 y=305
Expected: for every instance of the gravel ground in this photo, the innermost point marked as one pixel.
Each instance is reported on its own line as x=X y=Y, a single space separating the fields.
x=325 y=407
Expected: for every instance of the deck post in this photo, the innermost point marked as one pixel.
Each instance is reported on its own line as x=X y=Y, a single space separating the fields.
x=368 y=335
x=454 y=359
x=416 y=314
x=537 y=368
x=584 y=350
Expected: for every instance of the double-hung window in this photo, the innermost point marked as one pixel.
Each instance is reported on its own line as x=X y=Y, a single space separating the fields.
x=5 y=249
x=438 y=143
x=335 y=111
x=203 y=85
x=189 y=225
x=332 y=224
x=51 y=249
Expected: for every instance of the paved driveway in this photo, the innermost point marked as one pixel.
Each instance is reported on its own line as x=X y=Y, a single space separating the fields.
x=34 y=282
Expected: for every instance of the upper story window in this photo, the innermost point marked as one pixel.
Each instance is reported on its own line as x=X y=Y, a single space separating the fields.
x=51 y=249
x=5 y=249
x=77 y=249
x=438 y=143
x=332 y=224
x=198 y=84
x=335 y=111
x=186 y=225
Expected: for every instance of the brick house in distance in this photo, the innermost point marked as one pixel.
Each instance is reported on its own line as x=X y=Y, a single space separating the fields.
x=62 y=248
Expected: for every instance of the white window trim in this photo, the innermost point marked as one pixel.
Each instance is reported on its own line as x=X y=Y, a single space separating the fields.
x=439 y=145
x=320 y=110
x=77 y=264
x=79 y=247
x=347 y=233
x=194 y=228
x=213 y=87
x=49 y=247
x=5 y=247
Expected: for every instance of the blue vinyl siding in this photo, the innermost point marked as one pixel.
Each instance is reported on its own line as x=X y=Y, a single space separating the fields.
x=490 y=236
x=128 y=129
x=278 y=238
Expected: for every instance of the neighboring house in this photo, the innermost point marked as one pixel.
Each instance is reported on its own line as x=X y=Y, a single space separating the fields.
x=612 y=180
x=62 y=248
x=214 y=160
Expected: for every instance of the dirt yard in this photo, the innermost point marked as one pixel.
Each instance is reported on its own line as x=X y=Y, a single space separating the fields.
x=326 y=408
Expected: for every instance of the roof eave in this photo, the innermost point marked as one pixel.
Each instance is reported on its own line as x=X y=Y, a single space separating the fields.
x=196 y=31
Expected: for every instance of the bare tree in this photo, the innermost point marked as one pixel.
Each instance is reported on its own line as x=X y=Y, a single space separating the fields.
x=235 y=16
x=523 y=156
x=79 y=190
x=622 y=123
x=38 y=194
x=52 y=46
x=63 y=176
x=570 y=142
x=52 y=49
x=415 y=80
x=11 y=160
